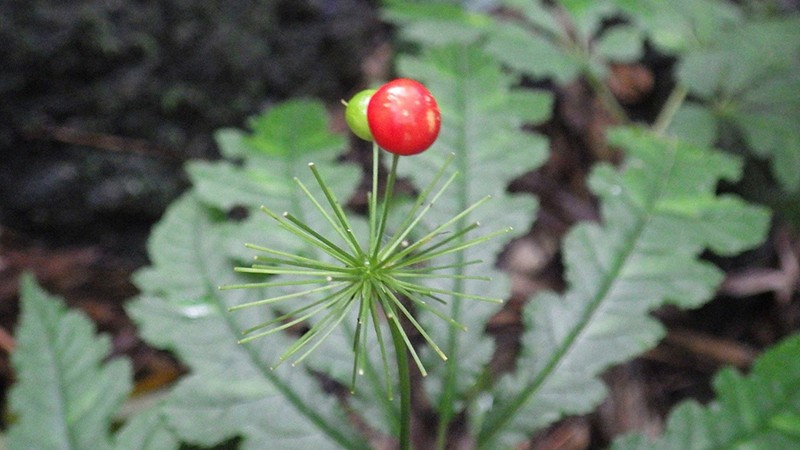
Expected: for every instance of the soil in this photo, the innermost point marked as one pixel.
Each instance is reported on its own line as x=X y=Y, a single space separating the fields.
x=104 y=103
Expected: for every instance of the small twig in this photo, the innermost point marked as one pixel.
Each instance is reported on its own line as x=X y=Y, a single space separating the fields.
x=599 y=86
x=671 y=106
x=601 y=89
x=103 y=141
x=790 y=266
x=783 y=281
x=723 y=351
x=753 y=282
x=7 y=342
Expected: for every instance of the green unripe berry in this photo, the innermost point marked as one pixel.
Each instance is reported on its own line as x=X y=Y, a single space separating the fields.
x=356 y=114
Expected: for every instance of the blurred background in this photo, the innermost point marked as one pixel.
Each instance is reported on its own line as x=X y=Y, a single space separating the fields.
x=103 y=100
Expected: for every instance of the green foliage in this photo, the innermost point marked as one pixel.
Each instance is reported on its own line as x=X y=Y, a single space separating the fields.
x=233 y=389
x=658 y=214
x=759 y=410
x=433 y=24
x=146 y=431
x=483 y=116
x=179 y=300
x=66 y=394
x=678 y=25
x=660 y=209
x=279 y=149
x=546 y=52
x=567 y=39
x=745 y=73
x=747 y=76
x=563 y=41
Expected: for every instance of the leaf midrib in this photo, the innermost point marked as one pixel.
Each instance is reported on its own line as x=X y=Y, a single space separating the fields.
x=506 y=414
x=61 y=382
x=447 y=403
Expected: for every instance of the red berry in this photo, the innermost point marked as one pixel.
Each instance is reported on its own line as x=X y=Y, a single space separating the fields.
x=403 y=117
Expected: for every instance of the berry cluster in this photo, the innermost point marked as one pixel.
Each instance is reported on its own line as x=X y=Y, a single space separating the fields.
x=401 y=116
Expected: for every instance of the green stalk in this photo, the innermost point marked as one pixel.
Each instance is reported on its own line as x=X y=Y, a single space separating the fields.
x=374 y=239
x=405 y=383
x=671 y=106
x=446 y=402
x=601 y=89
x=387 y=199
x=399 y=337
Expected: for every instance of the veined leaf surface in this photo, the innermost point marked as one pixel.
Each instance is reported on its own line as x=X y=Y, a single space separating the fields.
x=658 y=214
x=232 y=389
x=757 y=411
x=481 y=126
x=747 y=75
x=66 y=395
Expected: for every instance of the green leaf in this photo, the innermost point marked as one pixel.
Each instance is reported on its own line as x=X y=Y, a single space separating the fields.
x=146 y=431
x=283 y=141
x=268 y=179
x=552 y=41
x=694 y=124
x=293 y=128
x=561 y=40
x=538 y=55
x=585 y=16
x=678 y=25
x=66 y=395
x=658 y=214
x=232 y=389
x=621 y=43
x=226 y=185
x=537 y=13
x=743 y=60
x=748 y=76
x=757 y=411
x=481 y=126
x=432 y=24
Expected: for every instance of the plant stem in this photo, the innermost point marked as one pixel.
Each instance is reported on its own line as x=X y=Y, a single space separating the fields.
x=405 y=384
x=671 y=106
x=601 y=89
x=378 y=226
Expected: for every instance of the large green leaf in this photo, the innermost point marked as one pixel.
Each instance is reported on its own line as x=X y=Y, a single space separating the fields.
x=433 y=24
x=757 y=411
x=563 y=40
x=264 y=166
x=146 y=431
x=232 y=389
x=265 y=161
x=540 y=39
x=534 y=54
x=747 y=75
x=66 y=395
x=292 y=129
x=658 y=214
x=482 y=118
x=678 y=25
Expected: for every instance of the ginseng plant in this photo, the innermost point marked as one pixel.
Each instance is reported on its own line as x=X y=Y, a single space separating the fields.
x=382 y=279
